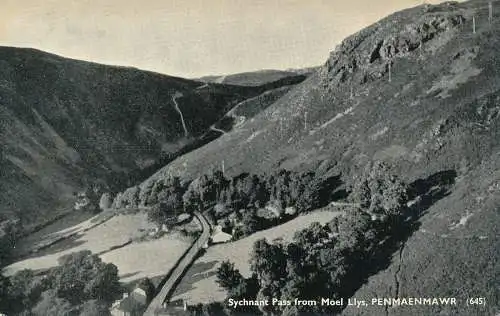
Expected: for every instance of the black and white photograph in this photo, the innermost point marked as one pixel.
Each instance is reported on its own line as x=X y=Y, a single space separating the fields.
x=249 y=158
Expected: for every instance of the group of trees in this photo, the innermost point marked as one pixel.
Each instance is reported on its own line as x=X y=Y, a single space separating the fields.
x=237 y=287
x=329 y=260
x=9 y=231
x=93 y=198
x=378 y=191
x=284 y=187
x=241 y=195
x=168 y=201
x=81 y=285
x=322 y=261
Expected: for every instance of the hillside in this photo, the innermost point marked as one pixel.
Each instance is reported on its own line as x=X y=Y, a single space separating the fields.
x=419 y=90
x=246 y=110
x=257 y=78
x=67 y=125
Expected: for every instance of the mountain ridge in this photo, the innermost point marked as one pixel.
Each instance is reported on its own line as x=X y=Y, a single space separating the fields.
x=258 y=77
x=418 y=90
x=68 y=124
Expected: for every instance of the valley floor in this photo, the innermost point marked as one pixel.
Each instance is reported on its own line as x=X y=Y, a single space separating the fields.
x=116 y=239
x=199 y=284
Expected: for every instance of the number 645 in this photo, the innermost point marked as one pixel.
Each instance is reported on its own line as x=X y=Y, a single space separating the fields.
x=476 y=301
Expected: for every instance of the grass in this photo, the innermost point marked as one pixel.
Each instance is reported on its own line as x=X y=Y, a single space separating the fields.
x=199 y=286
x=112 y=238
x=147 y=259
x=71 y=223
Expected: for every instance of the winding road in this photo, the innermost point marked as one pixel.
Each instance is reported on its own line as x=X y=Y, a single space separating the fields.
x=177 y=272
x=174 y=98
x=215 y=129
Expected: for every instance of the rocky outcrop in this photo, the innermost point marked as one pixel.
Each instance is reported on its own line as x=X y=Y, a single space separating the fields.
x=366 y=55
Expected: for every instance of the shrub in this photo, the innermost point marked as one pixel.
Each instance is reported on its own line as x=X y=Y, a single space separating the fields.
x=165 y=212
x=228 y=277
x=379 y=191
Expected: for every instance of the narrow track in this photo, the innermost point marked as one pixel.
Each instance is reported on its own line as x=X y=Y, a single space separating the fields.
x=177 y=272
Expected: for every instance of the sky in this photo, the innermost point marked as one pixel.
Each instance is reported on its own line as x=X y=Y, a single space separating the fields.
x=191 y=38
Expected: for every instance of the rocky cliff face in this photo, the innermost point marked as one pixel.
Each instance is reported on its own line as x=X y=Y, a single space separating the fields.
x=366 y=56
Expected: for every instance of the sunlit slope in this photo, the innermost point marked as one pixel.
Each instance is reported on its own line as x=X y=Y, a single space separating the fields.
x=420 y=90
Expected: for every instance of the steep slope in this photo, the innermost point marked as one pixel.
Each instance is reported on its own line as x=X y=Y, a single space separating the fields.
x=66 y=124
x=246 y=110
x=420 y=89
x=349 y=109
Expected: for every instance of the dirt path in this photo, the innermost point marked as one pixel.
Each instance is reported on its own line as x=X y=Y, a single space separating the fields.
x=213 y=128
x=174 y=98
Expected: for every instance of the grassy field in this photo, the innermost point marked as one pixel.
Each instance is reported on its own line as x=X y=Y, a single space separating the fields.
x=113 y=239
x=199 y=286
x=147 y=259
x=72 y=223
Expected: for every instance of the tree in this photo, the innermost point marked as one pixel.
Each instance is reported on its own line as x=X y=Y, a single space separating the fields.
x=92 y=195
x=238 y=233
x=50 y=304
x=210 y=309
x=81 y=285
x=379 y=191
x=191 y=199
x=94 y=308
x=251 y=223
x=253 y=190
x=162 y=212
x=352 y=229
x=225 y=197
x=145 y=194
x=4 y=294
x=310 y=236
x=82 y=276
x=219 y=183
x=23 y=291
x=104 y=284
x=171 y=189
x=130 y=197
x=394 y=196
x=147 y=285
x=9 y=230
x=156 y=187
x=360 y=193
x=215 y=308
x=228 y=277
x=220 y=210
x=268 y=263
x=203 y=189
x=309 y=198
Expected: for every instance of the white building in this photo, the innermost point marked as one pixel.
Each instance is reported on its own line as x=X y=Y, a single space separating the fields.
x=130 y=304
x=219 y=236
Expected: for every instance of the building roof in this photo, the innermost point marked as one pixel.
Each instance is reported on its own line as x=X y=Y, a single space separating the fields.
x=139 y=295
x=220 y=236
x=129 y=304
x=132 y=302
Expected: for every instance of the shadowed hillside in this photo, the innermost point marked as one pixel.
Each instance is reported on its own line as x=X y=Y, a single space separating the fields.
x=257 y=78
x=419 y=90
x=67 y=125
